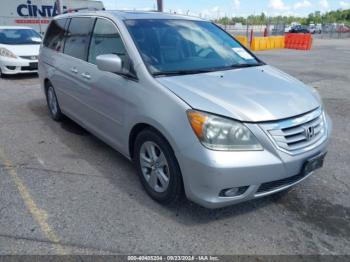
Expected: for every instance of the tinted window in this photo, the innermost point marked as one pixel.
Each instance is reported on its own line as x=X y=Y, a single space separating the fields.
x=78 y=37
x=55 y=34
x=171 y=46
x=106 y=40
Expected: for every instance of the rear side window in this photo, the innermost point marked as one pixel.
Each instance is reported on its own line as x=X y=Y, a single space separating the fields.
x=55 y=35
x=78 y=37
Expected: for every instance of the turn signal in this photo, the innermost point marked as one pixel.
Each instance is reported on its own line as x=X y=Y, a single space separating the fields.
x=197 y=120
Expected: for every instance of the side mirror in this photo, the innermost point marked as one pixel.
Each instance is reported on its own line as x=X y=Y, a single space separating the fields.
x=110 y=63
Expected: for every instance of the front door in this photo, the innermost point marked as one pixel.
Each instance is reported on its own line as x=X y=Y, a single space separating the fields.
x=109 y=95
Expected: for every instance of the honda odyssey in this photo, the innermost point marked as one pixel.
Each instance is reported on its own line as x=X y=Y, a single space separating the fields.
x=195 y=111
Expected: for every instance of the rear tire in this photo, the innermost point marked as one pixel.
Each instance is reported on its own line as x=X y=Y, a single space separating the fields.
x=53 y=105
x=157 y=167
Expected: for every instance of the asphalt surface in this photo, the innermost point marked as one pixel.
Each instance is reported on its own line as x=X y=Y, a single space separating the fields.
x=62 y=191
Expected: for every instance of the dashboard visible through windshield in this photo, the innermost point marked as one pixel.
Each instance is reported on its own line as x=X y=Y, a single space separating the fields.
x=173 y=47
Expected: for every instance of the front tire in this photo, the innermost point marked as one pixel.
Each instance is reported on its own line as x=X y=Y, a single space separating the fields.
x=52 y=103
x=157 y=167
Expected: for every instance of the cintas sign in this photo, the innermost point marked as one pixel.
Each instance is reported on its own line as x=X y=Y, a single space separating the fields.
x=32 y=10
x=38 y=13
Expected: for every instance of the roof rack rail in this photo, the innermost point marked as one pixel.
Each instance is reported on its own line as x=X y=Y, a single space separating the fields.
x=75 y=10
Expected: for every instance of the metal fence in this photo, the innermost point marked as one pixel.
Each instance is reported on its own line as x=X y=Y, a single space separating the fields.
x=258 y=30
x=327 y=31
x=334 y=31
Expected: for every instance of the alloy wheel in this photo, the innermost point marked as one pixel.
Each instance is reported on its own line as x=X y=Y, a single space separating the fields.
x=154 y=166
x=52 y=100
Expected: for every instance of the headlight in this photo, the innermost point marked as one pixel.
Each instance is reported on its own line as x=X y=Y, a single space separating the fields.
x=219 y=133
x=7 y=53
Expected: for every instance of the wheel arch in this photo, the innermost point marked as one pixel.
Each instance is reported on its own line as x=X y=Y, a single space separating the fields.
x=138 y=128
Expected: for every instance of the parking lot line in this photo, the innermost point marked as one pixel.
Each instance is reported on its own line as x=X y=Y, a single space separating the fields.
x=39 y=215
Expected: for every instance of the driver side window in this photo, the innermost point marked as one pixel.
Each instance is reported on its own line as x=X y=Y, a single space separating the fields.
x=107 y=40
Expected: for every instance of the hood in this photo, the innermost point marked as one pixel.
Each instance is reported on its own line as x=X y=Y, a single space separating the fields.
x=253 y=94
x=23 y=50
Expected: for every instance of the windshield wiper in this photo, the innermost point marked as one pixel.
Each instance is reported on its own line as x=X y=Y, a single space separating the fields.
x=245 y=65
x=208 y=70
x=183 y=72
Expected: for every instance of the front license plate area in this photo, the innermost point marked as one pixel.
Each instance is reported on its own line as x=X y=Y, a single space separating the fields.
x=33 y=66
x=314 y=163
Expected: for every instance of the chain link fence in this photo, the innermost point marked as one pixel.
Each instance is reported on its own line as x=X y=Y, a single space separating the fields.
x=335 y=31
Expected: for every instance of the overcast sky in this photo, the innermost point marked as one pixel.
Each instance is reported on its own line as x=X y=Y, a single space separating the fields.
x=214 y=8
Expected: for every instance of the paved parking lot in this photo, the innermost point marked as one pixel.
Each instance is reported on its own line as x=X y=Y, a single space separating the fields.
x=64 y=191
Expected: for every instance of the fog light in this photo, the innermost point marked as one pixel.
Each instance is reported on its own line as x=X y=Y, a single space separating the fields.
x=11 y=67
x=234 y=191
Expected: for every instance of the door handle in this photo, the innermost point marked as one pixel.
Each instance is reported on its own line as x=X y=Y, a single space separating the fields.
x=74 y=70
x=86 y=76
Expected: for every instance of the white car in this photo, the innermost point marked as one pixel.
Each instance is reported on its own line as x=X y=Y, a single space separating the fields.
x=19 y=50
x=287 y=29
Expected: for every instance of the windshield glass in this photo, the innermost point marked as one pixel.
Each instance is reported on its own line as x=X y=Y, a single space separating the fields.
x=19 y=37
x=185 y=46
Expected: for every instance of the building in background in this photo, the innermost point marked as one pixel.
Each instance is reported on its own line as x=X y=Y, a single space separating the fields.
x=38 y=13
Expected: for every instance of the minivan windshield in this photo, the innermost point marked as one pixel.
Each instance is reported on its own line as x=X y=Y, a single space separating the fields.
x=173 y=47
x=19 y=37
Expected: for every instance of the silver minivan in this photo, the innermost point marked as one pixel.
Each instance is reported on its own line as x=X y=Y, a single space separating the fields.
x=197 y=112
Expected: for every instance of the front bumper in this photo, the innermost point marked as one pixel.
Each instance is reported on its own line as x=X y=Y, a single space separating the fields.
x=207 y=173
x=13 y=66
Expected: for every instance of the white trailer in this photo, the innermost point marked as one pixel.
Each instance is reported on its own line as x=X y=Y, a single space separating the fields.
x=38 y=13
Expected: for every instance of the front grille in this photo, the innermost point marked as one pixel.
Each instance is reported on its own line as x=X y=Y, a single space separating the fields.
x=274 y=185
x=299 y=134
x=28 y=68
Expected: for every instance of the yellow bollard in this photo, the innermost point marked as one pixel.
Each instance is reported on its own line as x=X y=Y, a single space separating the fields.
x=255 y=44
x=242 y=39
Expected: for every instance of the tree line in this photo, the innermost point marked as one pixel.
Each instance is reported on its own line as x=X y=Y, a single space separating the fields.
x=338 y=16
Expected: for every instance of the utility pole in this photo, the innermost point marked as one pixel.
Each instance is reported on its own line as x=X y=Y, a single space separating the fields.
x=160 y=5
x=59 y=7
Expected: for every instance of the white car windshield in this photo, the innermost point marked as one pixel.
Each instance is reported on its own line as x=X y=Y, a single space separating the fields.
x=171 y=46
x=19 y=37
